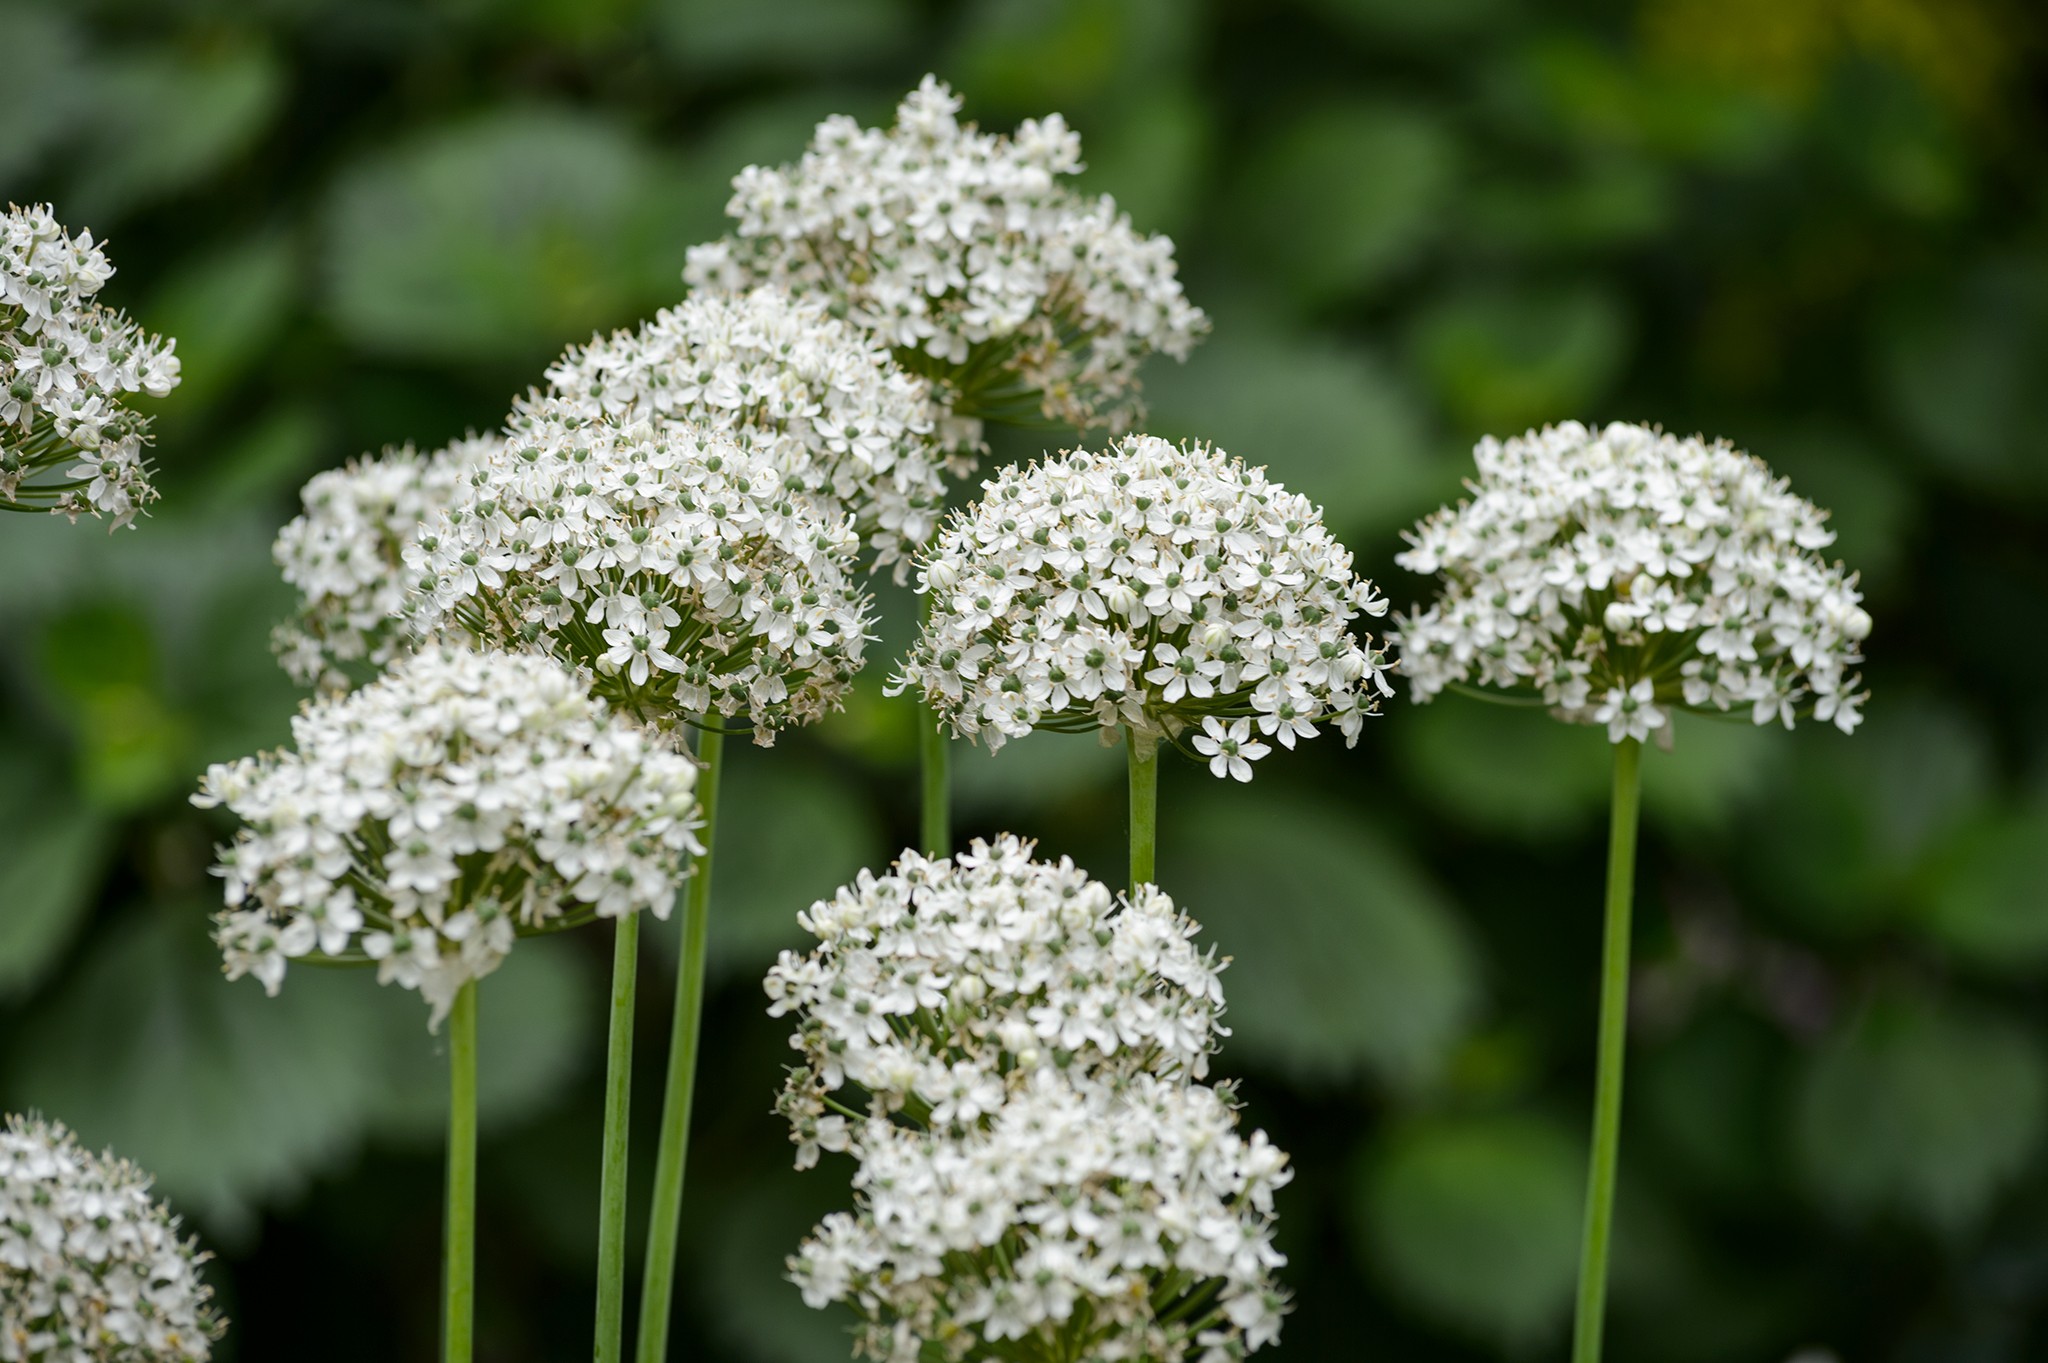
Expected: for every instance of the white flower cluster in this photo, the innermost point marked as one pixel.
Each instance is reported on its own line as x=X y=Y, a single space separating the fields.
x=1152 y=587
x=674 y=565
x=427 y=819
x=345 y=553
x=967 y=254
x=945 y=983
x=66 y=364
x=92 y=1269
x=847 y=428
x=1040 y=1173
x=1623 y=573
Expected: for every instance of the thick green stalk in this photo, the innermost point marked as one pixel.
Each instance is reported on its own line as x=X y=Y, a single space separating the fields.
x=1621 y=876
x=618 y=1086
x=1144 y=805
x=458 y=1322
x=936 y=806
x=658 y=1287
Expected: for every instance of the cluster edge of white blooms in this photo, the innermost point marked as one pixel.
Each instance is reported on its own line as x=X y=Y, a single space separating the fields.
x=427 y=819
x=92 y=1268
x=853 y=433
x=1038 y=1159
x=1624 y=573
x=67 y=366
x=674 y=565
x=345 y=555
x=1153 y=587
x=969 y=255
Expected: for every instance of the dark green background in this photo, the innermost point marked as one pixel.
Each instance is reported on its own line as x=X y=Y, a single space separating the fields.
x=1813 y=226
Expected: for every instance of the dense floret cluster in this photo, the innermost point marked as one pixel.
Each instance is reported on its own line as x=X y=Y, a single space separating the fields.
x=848 y=429
x=1152 y=587
x=967 y=254
x=92 y=1269
x=68 y=440
x=1623 y=573
x=345 y=553
x=426 y=820
x=1040 y=1173
x=945 y=983
x=673 y=564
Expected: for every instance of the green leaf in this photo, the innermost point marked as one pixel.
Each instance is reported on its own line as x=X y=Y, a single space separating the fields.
x=53 y=853
x=791 y=35
x=47 y=82
x=1034 y=56
x=750 y=1228
x=1475 y=1222
x=132 y=743
x=1346 y=957
x=1504 y=359
x=505 y=236
x=163 y=119
x=232 y=1100
x=1503 y=768
x=1988 y=898
x=1345 y=198
x=1716 y=766
x=1921 y=1109
x=1325 y=418
x=1151 y=153
x=225 y=307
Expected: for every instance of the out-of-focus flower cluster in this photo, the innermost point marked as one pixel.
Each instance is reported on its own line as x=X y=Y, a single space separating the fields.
x=424 y=821
x=967 y=254
x=345 y=553
x=92 y=1269
x=68 y=440
x=673 y=564
x=1155 y=587
x=850 y=431
x=945 y=983
x=1040 y=1173
x=1622 y=573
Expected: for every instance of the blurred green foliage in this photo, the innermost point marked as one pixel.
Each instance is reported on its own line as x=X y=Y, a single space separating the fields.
x=1814 y=226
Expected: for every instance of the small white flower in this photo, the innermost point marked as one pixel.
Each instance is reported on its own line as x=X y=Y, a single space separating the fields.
x=92 y=1268
x=427 y=820
x=968 y=255
x=1151 y=587
x=68 y=440
x=1625 y=573
x=1230 y=751
x=345 y=553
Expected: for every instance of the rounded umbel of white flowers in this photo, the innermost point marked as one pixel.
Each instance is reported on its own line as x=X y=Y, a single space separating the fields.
x=1153 y=587
x=944 y=984
x=677 y=567
x=1621 y=574
x=345 y=555
x=852 y=433
x=92 y=1268
x=428 y=819
x=1131 y=1222
x=68 y=440
x=970 y=256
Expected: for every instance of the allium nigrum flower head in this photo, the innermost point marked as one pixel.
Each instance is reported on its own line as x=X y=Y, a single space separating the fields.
x=428 y=819
x=676 y=566
x=967 y=254
x=1156 y=587
x=939 y=986
x=1127 y=1223
x=851 y=432
x=1622 y=573
x=92 y=1268
x=68 y=440
x=345 y=553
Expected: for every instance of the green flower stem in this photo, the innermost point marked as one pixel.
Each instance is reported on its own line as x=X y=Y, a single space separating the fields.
x=659 y=1285
x=1144 y=805
x=936 y=824
x=459 y=1247
x=618 y=1087
x=1621 y=876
